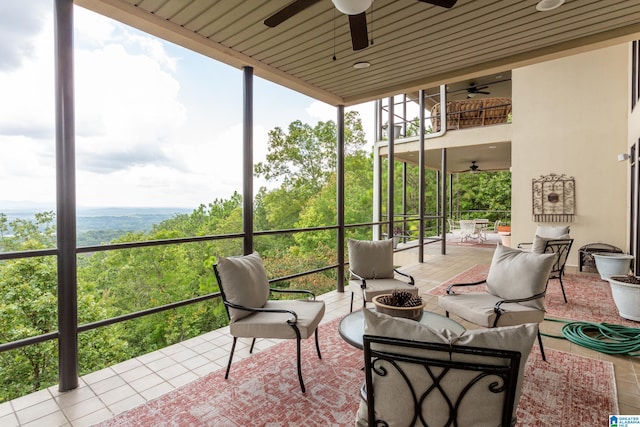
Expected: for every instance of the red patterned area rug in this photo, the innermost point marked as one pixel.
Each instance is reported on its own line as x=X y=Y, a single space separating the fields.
x=263 y=390
x=589 y=297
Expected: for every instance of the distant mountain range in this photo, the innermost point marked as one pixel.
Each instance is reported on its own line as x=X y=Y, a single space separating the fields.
x=101 y=221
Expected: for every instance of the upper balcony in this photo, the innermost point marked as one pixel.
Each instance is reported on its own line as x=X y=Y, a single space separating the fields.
x=477 y=128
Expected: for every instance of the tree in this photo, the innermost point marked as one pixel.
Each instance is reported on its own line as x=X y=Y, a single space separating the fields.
x=28 y=307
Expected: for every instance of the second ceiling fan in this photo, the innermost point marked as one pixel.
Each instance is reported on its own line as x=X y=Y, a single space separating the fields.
x=355 y=9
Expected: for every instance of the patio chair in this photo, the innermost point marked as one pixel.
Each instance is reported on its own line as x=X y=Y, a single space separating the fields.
x=560 y=248
x=514 y=293
x=245 y=291
x=468 y=230
x=416 y=375
x=372 y=272
x=546 y=232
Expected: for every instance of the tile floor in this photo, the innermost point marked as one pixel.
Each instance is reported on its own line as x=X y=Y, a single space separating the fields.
x=113 y=390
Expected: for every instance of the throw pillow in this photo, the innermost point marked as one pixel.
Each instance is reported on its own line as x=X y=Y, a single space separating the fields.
x=244 y=282
x=540 y=242
x=517 y=274
x=552 y=230
x=397 y=409
x=371 y=259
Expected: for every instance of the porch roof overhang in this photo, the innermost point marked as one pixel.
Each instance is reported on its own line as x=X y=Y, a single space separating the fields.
x=416 y=45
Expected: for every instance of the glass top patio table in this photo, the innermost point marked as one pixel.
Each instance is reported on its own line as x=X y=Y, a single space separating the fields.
x=351 y=327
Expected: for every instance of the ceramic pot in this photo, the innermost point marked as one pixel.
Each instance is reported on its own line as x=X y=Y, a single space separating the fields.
x=505 y=237
x=627 y=298
x=414 y=313
x=612 y=264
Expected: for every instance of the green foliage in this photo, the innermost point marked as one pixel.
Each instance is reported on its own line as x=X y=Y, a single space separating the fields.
x=28 y=307
x=480 y=192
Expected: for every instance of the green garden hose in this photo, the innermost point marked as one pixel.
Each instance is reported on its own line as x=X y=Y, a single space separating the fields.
x=602 y=337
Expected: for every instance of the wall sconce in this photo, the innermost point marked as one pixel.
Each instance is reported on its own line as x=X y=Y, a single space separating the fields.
x=622 y=157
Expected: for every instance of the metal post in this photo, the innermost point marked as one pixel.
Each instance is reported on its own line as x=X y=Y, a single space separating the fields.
x=451 y=196
x=404 y=115
x=438 y=199
x=443 y=199
x=404 y=198
x=421 y=179
x=340 y=196
x=247 y=161
x=391 y=171
x=66 y=198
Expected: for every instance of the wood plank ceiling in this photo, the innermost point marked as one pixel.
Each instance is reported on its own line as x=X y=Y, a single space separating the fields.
x=415 y=45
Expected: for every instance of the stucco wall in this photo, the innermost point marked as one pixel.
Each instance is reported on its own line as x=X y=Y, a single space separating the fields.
x=571 y=116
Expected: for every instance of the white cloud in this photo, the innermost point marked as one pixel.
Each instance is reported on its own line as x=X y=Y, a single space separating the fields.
x=91 y=28
x=127 y=108
x=137 y=144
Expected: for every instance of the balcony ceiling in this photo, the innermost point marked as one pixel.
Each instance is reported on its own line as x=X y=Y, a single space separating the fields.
x=416 y=45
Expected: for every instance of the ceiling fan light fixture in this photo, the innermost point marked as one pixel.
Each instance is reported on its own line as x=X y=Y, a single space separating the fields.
x=547 y=5
x=352 y=7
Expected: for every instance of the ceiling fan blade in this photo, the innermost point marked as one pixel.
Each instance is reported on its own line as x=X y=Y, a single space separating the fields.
x=442 y=3
x=359 y=34
x=288 y=11
x=484 y=93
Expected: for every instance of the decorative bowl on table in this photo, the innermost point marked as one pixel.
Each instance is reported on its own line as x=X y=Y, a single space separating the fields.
x=400 y=304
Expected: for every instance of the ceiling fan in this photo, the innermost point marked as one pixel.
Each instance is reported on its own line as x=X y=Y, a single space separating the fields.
x=355 y=9
x=474 y=168
x=473 y=90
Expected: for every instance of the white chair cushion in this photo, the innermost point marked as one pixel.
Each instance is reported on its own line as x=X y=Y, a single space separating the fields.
x=517 y=274
x=396 y=407
x=540 y=242
x=377 y=287
x=477 y=307
x=371 y=259
x=274 y=325
x=244 y=281
x=552 y=230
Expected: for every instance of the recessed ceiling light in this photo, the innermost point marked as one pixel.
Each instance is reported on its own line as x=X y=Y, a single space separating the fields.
x=547 y=5
x=363 y=64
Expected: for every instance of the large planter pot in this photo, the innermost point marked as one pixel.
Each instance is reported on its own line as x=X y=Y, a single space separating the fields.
x=505 y=237
x=626 y=296
x=612 y=264
x=414 y=313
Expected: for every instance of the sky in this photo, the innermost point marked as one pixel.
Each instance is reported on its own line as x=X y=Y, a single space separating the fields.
x=156 y=124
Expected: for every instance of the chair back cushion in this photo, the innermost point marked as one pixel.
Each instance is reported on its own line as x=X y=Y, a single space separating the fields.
x=517 y=274
x=552 y=230
x=396 y=407
x=243 y=281
x=540 y=243
x=371 y=259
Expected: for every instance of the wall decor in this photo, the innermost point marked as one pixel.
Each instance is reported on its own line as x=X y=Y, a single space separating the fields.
x=554 y=198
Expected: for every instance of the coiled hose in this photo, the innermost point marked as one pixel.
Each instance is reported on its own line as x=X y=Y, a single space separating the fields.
x=602 y=337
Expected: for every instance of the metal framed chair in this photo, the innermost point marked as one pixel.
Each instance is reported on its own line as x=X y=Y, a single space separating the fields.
x=423 y=383
x=561 y=249
x=245 y=292
x=372 y=272
x=515 y=290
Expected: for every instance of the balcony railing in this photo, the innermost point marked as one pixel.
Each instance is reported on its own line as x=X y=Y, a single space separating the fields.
x=473 y=113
